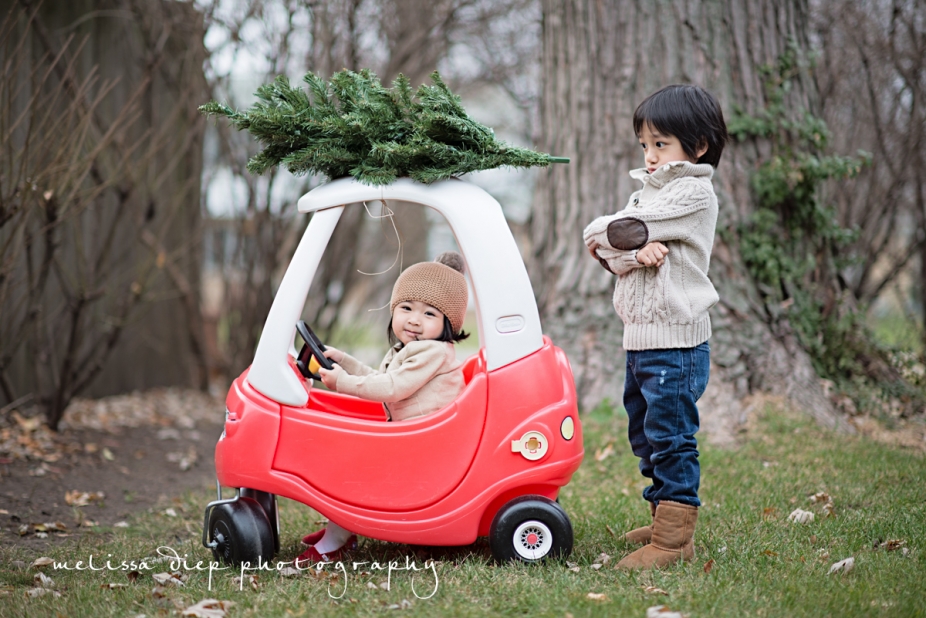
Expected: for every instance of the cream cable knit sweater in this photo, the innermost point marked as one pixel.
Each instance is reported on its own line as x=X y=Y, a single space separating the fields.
x=667 y=306
x=417 y=379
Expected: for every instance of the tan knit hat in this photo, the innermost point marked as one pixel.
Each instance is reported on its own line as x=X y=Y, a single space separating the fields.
x=440 y=284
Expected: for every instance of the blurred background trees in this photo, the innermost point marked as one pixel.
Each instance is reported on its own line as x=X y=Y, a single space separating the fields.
x=135 y=249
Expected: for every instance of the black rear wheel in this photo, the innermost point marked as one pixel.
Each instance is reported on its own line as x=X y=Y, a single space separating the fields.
x=241 y=533
x=530 y=529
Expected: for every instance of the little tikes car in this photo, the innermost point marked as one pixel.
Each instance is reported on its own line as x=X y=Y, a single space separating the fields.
x=491 y=463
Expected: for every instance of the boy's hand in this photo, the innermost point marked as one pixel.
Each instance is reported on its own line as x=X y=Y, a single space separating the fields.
x=653 y=254
x=330 y=376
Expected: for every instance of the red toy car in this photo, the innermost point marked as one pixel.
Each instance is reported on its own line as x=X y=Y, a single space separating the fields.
x=491 y=463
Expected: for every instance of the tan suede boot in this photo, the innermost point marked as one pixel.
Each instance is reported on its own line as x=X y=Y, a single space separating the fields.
x=642 y=535
x=673 y=538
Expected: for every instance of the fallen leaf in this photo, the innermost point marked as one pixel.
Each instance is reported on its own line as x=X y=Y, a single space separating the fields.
x=133 y=576
x=610 y=531
x=83 y=498
x=42 y=562
x=602 y=454
x=662 y=611
x=405 y=604
x=843 y=566
x=597 y=596
x=769 y=552
x=290 y=572
x=113 y=586
x=768 y=512
x=37 y=592
x=821 y=496
x=372 y=586
x=167 y=579
x=801 y=517
x=251 y=580
x=40 y=580
x=709 y=565
x=170 y=513
x=596 y=566
x=654 y=590
x=108 y=454
x=892 y=544
x=121 y=524
x=603 y=558
x=208 y=608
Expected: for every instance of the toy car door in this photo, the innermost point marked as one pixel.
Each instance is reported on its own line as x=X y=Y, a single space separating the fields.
x=380 y=465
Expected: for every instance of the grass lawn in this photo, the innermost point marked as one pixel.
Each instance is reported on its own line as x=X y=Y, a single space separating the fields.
x=751 y=561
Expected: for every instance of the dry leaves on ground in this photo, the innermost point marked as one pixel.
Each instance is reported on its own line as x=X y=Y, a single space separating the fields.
x=663 y=611
x=168 y=579
x=843 y=566
x=208 y=608
x=801 y=517
x=654 y=590
x=405 y=604
x=252 y=581
x=42 y=562
x=83 y=498
x=597 y=596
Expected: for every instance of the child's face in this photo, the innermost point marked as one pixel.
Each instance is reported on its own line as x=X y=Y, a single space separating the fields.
x=414 y=320
x=659 y=149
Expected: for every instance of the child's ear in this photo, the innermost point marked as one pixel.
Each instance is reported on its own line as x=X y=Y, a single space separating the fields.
x=702 y=149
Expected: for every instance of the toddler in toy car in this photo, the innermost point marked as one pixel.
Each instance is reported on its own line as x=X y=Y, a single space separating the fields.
x=420 y=373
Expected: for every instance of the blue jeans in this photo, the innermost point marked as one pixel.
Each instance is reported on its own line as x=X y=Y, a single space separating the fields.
x=661 y=391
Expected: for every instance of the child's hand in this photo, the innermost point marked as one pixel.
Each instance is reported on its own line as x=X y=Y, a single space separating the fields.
x=334 y=354
x=330 y=376
x=653 y=254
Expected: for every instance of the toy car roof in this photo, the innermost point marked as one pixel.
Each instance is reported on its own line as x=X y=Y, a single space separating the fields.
x=509 y=324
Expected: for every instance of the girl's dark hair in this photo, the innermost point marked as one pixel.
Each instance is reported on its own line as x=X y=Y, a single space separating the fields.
x=687 y=112
x=447 y=336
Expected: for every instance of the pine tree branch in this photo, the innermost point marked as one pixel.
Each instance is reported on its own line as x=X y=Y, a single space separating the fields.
x=352 y=125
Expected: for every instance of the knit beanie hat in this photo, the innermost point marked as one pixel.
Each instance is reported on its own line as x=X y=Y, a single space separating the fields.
x=440 y=284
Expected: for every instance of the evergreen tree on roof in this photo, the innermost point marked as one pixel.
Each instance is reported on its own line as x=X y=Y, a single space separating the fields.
x=352 y=125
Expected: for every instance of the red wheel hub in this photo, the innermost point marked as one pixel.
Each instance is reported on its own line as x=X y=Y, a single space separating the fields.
x=532 y=538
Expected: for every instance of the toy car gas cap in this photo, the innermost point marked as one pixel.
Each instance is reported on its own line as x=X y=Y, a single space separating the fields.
x=533 y=445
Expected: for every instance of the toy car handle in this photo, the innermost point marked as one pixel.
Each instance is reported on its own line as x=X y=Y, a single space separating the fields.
x=316 y=349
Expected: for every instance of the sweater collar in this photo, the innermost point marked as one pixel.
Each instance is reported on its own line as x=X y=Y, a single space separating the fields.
x=672 y=171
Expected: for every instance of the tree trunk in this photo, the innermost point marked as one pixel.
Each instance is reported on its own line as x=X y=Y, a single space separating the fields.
x=600 y=59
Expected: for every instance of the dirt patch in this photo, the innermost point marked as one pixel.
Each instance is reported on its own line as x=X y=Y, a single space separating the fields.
x=138 y=451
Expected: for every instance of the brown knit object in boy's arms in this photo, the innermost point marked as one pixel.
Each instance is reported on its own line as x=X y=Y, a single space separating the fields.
x=440 y=284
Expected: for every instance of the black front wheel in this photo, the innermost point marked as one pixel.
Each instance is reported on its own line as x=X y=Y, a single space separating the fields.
x=241 y=533
x=268 y=502
x=530 y=529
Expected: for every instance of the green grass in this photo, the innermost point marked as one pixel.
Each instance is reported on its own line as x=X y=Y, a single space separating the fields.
x=762 y=565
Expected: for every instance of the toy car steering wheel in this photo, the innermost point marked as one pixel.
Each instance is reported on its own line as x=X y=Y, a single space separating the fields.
x=311 y=356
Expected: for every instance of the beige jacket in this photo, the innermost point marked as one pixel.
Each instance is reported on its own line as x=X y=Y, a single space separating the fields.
x=413 y=380
x=666 y=306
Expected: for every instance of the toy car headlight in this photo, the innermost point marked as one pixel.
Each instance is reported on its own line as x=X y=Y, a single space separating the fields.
x=568 y=428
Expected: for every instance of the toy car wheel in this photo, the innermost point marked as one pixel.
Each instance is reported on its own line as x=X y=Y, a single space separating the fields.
x=530 y=529
x=241 y=532
x=268 y=502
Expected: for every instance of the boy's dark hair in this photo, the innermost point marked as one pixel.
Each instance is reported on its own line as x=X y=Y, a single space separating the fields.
x=447 y=336
x=689 y=113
